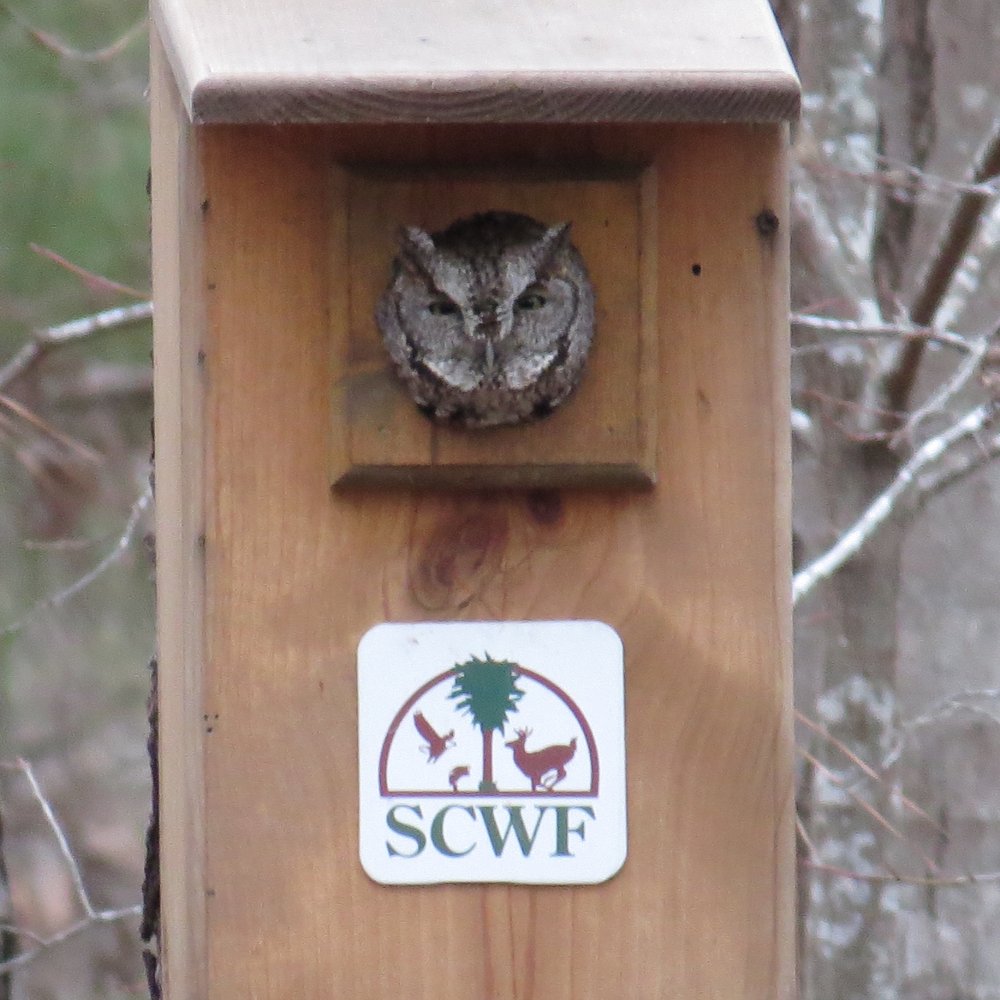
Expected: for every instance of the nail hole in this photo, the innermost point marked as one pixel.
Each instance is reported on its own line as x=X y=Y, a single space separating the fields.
x=766 y=222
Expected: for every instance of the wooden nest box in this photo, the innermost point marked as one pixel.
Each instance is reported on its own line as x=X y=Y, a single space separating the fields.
x=303 y=498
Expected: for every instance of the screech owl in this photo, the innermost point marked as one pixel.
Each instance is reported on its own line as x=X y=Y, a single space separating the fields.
x=489 y=321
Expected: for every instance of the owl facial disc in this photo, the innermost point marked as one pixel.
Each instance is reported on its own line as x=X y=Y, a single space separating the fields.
x=489 y=321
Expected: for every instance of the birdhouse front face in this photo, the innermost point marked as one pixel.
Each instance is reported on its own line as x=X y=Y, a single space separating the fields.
x=652 y=499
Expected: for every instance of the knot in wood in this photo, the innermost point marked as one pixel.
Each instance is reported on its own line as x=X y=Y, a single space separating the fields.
x=545 y=507
x=459 y=555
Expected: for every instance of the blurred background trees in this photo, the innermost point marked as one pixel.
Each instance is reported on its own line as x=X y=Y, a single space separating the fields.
x=896 y=300
x=74 y=449
x=895 y=226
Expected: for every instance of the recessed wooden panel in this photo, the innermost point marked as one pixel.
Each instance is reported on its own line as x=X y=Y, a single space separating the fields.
x=603 y=435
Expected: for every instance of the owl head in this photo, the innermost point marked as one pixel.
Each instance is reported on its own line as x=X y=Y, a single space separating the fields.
x=490 y=320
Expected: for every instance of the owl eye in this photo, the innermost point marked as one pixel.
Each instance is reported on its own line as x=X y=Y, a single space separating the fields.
x=442 y=307
x=530 y=300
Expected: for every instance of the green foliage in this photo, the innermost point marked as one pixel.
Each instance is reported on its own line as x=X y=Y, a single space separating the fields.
x=73 y=680
x=73 y=161
x=487 y=691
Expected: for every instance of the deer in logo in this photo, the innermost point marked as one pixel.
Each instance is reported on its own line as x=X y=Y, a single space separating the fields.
x=436 y=745
x=537 y=764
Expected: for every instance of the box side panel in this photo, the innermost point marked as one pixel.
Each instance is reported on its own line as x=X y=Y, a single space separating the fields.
x=179 y=433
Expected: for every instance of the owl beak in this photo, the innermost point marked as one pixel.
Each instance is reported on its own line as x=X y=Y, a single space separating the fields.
x=488 y=332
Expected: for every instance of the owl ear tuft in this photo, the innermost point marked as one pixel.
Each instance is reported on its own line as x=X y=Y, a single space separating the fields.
x=416 y=250
x=554 y=239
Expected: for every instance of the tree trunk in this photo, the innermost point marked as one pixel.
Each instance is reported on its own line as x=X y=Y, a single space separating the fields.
x=487 y=784
x=8 y=939
x=858 y=707
x=905 y=135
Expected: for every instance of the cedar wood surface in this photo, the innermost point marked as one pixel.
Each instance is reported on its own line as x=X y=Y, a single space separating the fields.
x=493 y=60
x=264 y=896
x=178 y=400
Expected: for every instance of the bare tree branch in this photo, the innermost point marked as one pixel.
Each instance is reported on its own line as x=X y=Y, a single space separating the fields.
x=906 y=331
x=85 y=923
x=80 y=450
x=863 y=766
x=116 y=553
x=958 y=467
x=944 y=263
x=892 y=878
x=54 y=44
x=864 y=805
x=852 y=540
x=902 y=174
x=813 y=860
x=948 y=390
x=44 y=340
x=57 y=831
x=906 y=180
x=97 y=283
x=92 y=916
x=954 y=704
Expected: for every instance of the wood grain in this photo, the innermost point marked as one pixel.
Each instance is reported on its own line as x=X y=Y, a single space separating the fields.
x=522 y=61
x=603 y=435
x=694 y=574
x=178 y=328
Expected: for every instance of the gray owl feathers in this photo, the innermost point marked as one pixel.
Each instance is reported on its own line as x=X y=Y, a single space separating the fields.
x=489 y=321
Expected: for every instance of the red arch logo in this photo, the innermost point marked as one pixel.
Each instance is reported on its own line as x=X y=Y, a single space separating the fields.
x=527 y=765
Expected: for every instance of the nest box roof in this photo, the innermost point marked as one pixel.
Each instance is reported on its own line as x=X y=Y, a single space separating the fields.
x=478 y=60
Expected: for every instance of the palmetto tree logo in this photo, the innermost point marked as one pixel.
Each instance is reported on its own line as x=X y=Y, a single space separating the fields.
x=487 y=766
x=487 y=691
